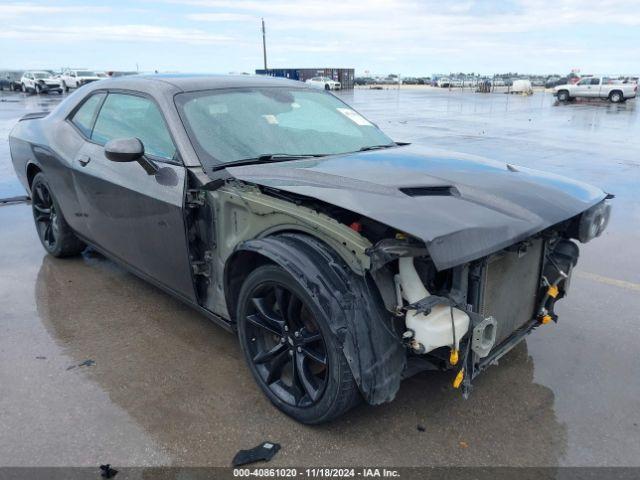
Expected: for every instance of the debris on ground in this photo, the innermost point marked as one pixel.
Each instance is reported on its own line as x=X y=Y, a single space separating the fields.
x=421 y=428
x=107 y=471
x=18 y=199
x=263 y=452
x=87 y=363
x=41 y=358
x=464 y=445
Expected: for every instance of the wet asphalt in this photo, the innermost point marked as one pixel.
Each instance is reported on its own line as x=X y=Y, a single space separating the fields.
x=164 y=386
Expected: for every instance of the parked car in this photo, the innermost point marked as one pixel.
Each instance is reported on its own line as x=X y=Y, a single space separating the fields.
x=74 y=78
x=555 y=81
x=343 y=260
x=365 y=81
x=323 y=82
x=597 y=87
x=10 y=79
x=443 y=82
x=39 y=81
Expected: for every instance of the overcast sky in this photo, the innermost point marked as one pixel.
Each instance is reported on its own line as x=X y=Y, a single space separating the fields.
x=379 y=36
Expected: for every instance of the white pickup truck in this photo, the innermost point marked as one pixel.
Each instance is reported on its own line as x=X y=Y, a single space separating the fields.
x=597 y=87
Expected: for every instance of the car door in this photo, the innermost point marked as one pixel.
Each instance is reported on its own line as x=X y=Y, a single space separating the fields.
x=134 y=216
x=593 y=89
x=581 y=88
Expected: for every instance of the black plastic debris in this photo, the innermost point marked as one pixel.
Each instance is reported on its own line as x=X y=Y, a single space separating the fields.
x=107 y=471
x=421 y=428
x=87 y=363
x=18 y=199
x=41 y=358
x=263 y=452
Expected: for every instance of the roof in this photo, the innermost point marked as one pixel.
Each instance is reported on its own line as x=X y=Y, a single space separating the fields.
x=193 y=82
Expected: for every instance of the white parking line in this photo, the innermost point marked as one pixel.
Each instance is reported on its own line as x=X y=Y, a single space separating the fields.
x=610 y=281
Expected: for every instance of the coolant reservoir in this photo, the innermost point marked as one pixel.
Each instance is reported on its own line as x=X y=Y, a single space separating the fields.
x=436 y=329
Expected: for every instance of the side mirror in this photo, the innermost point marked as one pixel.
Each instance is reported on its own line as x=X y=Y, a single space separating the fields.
x=124 y=150
x=129 y=150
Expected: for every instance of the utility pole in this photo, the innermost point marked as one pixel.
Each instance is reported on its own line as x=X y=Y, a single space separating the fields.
x=264 y=45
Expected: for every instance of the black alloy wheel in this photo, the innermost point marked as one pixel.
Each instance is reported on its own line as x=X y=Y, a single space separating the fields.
x=286 y=345
x=290 y=349
x=45 y=215
x=54 y=233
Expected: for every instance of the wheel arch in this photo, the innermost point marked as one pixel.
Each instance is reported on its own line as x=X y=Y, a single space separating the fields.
x=352 y=303
x=32 y=171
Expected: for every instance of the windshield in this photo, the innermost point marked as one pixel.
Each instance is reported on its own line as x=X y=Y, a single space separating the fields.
x=41 y=75
x=237 y=124
x=86 y=73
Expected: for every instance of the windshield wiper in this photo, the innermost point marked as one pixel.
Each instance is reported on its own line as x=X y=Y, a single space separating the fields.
x=267 y=158
x=377 y=147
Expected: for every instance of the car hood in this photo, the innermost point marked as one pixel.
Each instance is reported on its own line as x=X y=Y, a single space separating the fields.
x=462 y=206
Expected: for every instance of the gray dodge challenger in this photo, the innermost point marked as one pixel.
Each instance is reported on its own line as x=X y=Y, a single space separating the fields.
x=344 y=261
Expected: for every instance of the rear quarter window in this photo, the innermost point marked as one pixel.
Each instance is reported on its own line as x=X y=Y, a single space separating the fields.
x=86 y=114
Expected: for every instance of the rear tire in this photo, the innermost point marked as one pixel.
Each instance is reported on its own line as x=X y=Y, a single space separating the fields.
x=293 y=356
x=616 y=96
x=54 y=233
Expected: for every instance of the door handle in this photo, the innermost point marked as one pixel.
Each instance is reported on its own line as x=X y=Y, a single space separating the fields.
x=84 y=160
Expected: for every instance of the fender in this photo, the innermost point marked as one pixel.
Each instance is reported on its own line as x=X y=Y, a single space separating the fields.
x=352 y=304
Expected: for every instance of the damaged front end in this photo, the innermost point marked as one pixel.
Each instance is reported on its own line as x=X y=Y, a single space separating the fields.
x=467 y=317
x=397 y=305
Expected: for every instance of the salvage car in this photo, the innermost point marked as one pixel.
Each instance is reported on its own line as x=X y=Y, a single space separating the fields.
x=39 y=81
x=344 y=261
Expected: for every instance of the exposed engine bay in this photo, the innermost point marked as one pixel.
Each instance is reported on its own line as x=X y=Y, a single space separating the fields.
x=467 y=317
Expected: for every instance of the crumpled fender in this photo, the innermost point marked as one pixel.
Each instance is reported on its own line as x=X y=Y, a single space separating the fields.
x=352 y=306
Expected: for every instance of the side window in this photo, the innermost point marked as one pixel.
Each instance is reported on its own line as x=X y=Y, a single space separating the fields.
x=125 y=116
x=595 y=81
x=83 y=118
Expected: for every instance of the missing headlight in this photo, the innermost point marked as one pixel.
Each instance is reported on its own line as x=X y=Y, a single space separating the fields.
x=594 y=221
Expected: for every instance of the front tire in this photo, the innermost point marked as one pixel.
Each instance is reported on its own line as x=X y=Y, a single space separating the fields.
x=563 y=96
x=65 y=87
x=54 y=233
x=290 y=349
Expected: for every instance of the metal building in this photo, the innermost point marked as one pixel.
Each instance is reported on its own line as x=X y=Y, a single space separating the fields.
x=345 y=76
